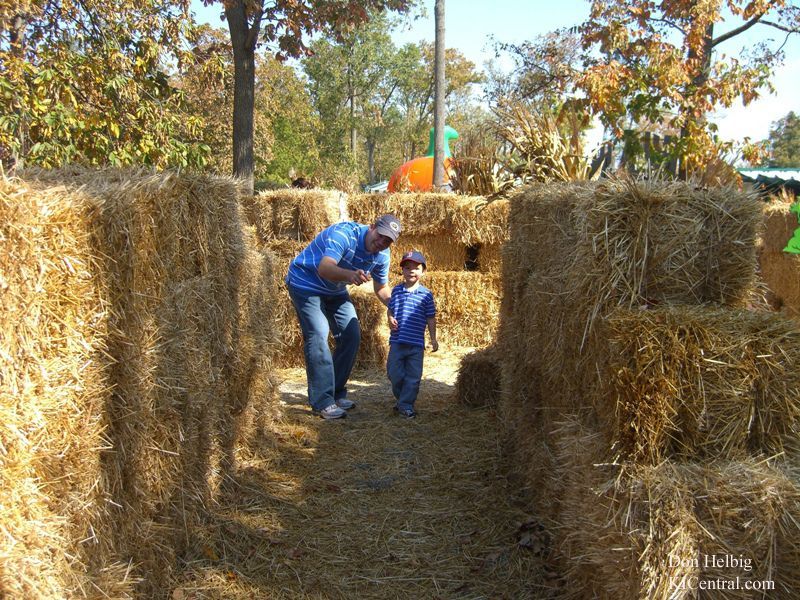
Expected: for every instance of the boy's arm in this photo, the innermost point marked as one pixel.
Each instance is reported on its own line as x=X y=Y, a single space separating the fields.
x=432 y=332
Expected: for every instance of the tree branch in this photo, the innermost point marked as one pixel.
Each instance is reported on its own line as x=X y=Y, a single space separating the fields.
x=781 y=27
x=734 y=32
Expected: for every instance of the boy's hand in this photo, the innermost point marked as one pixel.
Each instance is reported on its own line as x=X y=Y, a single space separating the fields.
x=434 y=345
x=392 y=323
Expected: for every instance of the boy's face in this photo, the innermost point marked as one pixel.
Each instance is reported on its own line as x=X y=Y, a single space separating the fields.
x=412 y=271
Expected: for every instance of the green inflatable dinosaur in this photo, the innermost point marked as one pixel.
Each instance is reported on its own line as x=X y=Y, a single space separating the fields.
x=793 y=245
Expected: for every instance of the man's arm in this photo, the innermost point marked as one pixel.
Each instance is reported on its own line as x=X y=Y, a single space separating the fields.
x=382 y=291
x=330 y=270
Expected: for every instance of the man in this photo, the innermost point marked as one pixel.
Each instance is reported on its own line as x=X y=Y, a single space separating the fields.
x=343 y=254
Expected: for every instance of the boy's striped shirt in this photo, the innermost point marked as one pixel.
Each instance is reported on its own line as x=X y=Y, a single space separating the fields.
x=412 y=309
x=344 y=243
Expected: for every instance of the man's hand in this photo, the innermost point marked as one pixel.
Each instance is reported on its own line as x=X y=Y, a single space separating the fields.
x=434 y=345
x=392 y=323
x=358 y=277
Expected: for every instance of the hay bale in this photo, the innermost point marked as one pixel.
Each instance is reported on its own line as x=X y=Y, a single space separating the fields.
x=294 y=214
x=780 y=271
x=52 y=330
x=443 y=252
x=420 y=214
x=467 y=305
x=478 y=380
x=490 y=258
x=698 y=382
x=657 y=532
x=779 y=226
x=470 y=219
x=374 y=348
x=447 y=253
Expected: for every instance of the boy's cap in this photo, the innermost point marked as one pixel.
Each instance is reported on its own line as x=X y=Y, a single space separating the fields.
x=389 y=226
x=415 y=256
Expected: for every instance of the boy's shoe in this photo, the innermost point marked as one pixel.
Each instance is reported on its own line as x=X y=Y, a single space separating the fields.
x=331 y=412
x=345 y=403
x=408 y=413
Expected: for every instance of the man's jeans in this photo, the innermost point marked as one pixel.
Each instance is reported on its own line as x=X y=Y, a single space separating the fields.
x=404 y=368
x=327 y=375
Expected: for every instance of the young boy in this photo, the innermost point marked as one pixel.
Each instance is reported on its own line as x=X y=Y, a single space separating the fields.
x=410 y=309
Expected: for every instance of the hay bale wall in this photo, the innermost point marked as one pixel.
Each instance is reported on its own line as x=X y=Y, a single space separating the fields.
x=578 y=251
x=52 y=328
x=442 y=226
x=162 y=365
x=448 y=229
x=780 y=270
x=634 y=386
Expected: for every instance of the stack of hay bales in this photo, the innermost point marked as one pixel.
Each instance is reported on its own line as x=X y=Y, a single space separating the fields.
x=286 y=221
x=453 y=232
x=137 y=329
x=634 y=386
x=780 y=270
x=450 y=230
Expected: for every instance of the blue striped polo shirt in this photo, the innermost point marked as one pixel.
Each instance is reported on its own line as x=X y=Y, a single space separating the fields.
x=344 y=243
x=412 y=309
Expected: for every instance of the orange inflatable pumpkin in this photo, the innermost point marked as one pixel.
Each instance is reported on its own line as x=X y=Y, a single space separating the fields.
x=416 y=175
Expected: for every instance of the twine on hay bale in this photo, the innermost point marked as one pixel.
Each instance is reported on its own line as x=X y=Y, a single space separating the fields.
x=698 y=382
x=478 y=380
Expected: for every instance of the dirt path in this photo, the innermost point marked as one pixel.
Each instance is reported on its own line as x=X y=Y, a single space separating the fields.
x=371 y=506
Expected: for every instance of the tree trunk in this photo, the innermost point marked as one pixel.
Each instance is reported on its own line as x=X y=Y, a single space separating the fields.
x=693 y=119
x=243 y=40
x=353 y=133
x=438 y=118
x=17 y=30
x=371 y=160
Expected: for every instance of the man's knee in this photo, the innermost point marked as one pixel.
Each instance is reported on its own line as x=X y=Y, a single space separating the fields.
x=351 y=335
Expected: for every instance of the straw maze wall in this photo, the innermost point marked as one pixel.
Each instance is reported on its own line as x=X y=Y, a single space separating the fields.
x=653 y=420
x=446 y=228
x=137 y=331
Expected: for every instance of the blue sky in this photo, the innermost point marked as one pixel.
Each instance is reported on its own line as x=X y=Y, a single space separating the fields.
x=470 y=25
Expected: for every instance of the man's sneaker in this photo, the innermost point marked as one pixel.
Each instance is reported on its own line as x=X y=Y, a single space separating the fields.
x=408 y=413
x=331 y=412
x=345 y=403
